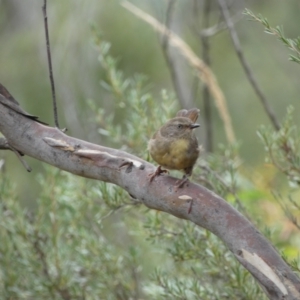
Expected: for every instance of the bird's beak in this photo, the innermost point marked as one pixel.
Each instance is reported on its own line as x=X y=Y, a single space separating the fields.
x=195 y=125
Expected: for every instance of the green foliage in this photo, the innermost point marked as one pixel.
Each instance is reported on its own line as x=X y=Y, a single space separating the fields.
x=75 y=244
x=138 y=114
x=292 y=44
x=219 y=170
x=283 y=151
x=283 y=148
x=60 y=251
x=203 y=267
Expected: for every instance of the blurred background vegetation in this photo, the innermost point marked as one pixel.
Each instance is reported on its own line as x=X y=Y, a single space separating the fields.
x=77 y=75
x=99 y=105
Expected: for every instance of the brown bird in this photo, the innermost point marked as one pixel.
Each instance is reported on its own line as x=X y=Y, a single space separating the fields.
x=174 y=146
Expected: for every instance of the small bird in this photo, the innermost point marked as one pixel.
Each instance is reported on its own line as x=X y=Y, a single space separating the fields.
x=174 y=146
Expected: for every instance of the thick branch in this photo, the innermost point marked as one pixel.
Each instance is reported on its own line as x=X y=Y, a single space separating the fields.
x=194 y=202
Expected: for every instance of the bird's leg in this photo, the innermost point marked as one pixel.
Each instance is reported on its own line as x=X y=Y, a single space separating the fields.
x=157 y=173
x=180 y=183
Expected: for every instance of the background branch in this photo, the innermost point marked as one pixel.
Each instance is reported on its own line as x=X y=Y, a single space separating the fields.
x=236 y=43
x=206 y=95
x=50 y=64
x=172 y=61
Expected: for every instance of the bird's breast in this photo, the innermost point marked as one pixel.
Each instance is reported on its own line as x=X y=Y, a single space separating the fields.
x=179 y=147
x=177 y=154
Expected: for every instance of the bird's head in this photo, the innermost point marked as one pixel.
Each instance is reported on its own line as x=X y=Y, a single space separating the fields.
x=179 y=127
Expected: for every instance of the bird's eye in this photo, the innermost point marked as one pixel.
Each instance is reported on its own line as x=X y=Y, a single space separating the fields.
x=179 y=126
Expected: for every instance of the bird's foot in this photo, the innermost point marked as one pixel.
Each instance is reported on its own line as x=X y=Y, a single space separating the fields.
x=180 y=183
x=157 y=173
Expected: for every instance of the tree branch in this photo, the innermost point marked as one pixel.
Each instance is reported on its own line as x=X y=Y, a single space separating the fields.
x=172 y=61
x=131 y=173
x=4 y=145
x=44 y=8
x=236 y=43
x=206 y=95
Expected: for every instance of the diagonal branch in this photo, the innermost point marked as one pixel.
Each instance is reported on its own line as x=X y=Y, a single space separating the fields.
x=194 y=202
x=236 y=43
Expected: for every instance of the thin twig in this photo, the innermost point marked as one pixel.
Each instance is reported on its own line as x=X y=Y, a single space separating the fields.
x=289 y=214
x=236 y=43
x=115 y=209
x=42 y=259
x=203 y=71
x=292 y=44
x=206 y=95
x=219 y=27
x=50 y=64
x=4 y=145
x=63 y=292
x=24 y=163
x=297 y=206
